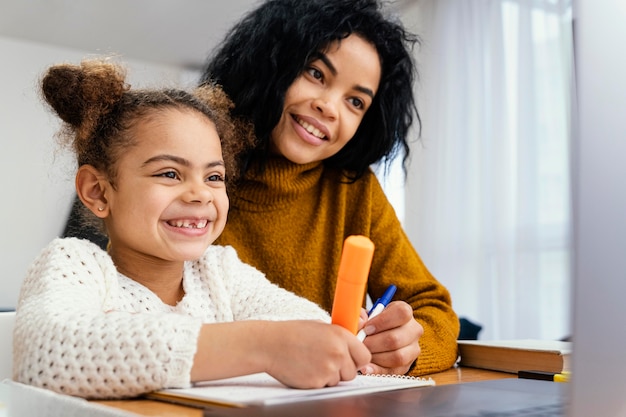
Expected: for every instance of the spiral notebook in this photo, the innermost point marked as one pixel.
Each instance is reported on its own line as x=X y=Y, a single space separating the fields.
x=263 y=389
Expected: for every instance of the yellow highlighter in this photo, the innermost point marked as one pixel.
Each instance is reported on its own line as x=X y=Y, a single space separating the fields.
x=562 y=377
x=356 y=259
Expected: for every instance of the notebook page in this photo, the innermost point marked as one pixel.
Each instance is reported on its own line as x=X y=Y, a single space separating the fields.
x=262 y=389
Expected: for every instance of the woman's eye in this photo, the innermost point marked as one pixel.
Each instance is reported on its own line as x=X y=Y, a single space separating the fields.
x=357 y=102
x=315 y=73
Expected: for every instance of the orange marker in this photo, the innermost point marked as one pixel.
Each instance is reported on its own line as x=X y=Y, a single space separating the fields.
x=356 y=259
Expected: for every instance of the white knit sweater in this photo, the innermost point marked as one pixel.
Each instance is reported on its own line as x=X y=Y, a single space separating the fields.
x=84 y=329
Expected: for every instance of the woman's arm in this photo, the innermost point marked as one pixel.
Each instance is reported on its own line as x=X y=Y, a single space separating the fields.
x=395 y=336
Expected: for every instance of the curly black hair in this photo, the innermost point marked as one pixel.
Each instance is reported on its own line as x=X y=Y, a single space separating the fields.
x=271 y=46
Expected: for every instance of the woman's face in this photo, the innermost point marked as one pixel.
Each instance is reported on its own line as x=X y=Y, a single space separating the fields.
x=326 y=103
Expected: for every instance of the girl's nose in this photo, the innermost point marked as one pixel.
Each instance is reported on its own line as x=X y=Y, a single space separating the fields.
x=198 y=192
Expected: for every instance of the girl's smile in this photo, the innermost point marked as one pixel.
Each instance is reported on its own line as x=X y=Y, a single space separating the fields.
x=197 y=227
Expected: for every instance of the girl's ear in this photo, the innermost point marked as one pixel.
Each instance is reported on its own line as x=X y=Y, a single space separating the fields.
x=90 y=187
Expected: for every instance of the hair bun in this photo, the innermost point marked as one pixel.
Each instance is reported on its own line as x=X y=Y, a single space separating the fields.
x=81 y=94
x=59 y=87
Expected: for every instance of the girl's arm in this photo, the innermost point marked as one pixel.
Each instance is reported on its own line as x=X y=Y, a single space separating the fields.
x=299 y=353
x=77 y=332
x=274 y=331
x=252 y=296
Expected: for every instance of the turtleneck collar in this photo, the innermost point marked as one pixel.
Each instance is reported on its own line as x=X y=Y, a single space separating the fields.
x=275 y=183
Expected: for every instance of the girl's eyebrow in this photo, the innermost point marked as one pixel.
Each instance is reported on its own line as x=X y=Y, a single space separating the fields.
x=322 y=57
x=180 y=161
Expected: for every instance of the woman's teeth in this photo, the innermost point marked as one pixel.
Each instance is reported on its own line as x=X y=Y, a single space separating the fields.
x=311 y=129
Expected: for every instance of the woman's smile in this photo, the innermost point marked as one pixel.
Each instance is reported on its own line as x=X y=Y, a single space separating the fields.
x=312 y=126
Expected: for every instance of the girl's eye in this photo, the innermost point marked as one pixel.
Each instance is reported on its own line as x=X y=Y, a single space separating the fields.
x=216 y=177
x=168 y=174
x=357 y=102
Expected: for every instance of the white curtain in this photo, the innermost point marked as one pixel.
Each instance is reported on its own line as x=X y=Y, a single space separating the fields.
x=487 y=201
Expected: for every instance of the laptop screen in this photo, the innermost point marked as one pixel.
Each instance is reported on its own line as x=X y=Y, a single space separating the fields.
x=599 y=180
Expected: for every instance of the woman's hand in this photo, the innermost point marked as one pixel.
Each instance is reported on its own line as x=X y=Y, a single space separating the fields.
x=393 y=339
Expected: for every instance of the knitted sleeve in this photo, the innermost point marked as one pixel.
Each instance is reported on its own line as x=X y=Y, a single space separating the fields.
x=76 y=334
x=396 y=262
x=252 y=296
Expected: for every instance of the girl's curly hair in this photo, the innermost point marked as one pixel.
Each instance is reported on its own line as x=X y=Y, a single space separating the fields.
x=99 y=109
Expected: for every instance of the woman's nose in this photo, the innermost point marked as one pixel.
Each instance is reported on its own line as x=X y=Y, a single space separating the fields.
x=326 y=106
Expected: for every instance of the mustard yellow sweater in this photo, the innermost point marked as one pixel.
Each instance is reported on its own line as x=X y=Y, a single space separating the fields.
x=290 y=222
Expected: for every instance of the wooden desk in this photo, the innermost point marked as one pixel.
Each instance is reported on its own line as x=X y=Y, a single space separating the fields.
x=159 y=408
x=460 y=375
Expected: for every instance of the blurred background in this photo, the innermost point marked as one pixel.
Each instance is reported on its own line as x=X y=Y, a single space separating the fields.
x=486 y=199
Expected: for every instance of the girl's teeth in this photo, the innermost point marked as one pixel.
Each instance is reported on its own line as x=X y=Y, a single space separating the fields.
x=189 y=225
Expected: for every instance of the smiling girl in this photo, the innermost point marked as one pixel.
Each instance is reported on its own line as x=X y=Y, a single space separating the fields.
x=163 y=306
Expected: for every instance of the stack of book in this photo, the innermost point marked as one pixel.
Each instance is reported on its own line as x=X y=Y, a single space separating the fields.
x=516 y=355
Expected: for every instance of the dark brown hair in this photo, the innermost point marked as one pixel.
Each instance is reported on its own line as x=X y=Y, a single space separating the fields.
x=99 y=110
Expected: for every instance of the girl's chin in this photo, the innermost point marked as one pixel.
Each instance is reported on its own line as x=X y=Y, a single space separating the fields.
x=184 y=252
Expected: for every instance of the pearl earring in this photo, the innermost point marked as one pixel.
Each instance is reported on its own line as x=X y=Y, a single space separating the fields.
x=100 y=208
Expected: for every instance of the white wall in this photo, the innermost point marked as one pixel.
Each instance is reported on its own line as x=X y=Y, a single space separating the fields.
x=37 y=181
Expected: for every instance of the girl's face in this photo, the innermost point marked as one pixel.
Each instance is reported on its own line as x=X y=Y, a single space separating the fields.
x=169 y=201
x=326 y=103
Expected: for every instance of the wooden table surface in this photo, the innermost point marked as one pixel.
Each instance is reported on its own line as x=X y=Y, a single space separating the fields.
x=159 y=408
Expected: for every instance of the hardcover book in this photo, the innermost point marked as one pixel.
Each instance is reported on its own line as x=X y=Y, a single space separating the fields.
x=516 y=355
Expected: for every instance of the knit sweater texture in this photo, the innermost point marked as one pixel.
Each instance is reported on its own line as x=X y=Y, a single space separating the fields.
x=290 y=221
x=84 y=329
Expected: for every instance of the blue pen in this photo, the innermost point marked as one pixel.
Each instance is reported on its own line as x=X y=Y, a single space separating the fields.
x=378 y=307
